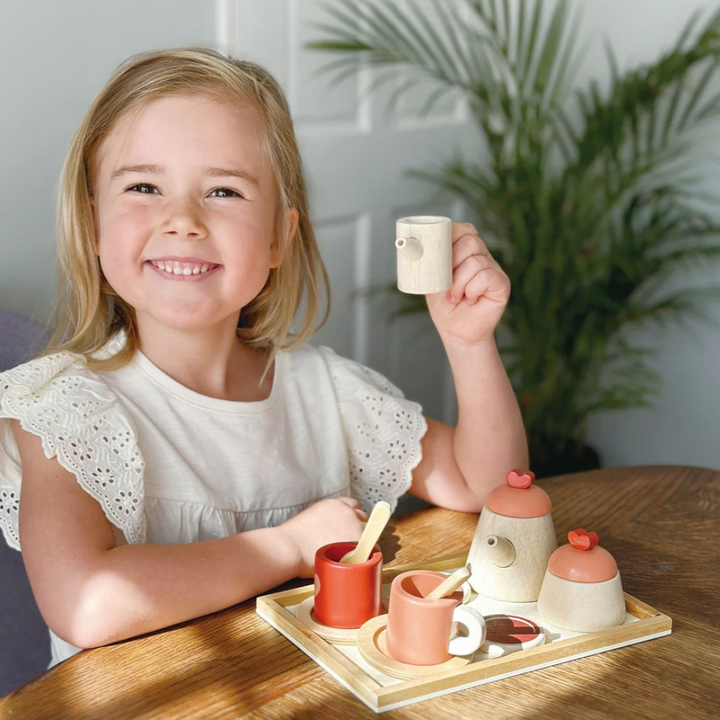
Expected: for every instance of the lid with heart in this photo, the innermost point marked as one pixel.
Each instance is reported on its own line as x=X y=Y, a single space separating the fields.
x=519 y=498
x=583 y=560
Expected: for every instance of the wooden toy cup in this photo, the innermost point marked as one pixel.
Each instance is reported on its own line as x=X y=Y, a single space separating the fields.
x=424 y=254
x=346 y=595
x=419 y=630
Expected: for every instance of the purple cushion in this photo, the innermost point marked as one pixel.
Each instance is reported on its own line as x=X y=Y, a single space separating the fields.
x=24 y=641
x=20 y=339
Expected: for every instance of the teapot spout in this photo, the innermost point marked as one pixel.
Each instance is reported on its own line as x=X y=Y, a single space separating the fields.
x=501 y=551
x=410 y=247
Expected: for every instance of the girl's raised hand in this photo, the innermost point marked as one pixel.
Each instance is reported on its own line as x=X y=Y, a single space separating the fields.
x=480 y=290
x=327 y=521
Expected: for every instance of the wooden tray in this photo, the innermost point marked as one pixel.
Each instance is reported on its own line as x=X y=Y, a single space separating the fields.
x=381 y=692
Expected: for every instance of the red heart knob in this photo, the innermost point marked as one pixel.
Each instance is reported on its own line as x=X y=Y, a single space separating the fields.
x=518 y=479
x=582 y=540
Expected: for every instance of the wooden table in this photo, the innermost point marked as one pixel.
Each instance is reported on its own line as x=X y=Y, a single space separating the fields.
x=660 y=523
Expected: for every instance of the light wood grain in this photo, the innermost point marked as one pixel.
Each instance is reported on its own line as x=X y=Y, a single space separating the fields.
x=660 y=523
x=372 y=643
x=581 y=606
x=450 y=584
x=509 y=555
x=375 y=525
x=335 y=636
x=424 y=254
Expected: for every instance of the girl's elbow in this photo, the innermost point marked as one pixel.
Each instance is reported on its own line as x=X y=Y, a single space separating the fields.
x=75 y=636
x=81 y=620
x=83 y=633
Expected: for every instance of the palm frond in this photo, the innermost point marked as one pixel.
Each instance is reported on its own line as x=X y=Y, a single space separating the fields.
x=588 y=197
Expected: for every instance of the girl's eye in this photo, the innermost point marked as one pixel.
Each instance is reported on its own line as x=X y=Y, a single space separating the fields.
x=226 y=190
x=147 y=189
x=143 y=185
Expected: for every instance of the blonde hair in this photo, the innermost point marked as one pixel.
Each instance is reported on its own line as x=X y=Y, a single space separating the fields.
x=88 y=310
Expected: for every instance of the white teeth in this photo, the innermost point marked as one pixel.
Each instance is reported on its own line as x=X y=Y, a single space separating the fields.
x=173 y=267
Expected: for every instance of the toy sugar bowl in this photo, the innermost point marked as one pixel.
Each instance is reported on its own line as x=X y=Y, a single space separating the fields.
x=513 y=540
x=581 y=590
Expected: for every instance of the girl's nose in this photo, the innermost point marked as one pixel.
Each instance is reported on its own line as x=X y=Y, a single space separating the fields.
x=185 y=219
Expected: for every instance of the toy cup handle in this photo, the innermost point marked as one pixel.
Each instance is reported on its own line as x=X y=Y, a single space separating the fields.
x=474 y=623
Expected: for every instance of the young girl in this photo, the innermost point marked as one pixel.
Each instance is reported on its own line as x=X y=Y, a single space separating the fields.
x=180 y=450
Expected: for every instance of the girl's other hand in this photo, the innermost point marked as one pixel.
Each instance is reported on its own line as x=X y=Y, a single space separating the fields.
x=325 y=522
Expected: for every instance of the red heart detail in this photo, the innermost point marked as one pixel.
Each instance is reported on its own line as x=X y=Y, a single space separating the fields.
x=518 y=479
x=582 y=540
x=579 y=542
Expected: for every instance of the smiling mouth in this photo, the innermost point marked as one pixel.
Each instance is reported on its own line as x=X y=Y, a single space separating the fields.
x=176 y=267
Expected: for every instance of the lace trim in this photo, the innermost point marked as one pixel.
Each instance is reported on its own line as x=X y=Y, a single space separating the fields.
x=79 y=420
x=383 y=432
x=9 y=510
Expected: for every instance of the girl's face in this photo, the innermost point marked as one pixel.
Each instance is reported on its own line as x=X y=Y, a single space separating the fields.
x=185 y=208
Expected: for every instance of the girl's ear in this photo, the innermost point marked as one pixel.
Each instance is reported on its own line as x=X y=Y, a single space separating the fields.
x=276 y=252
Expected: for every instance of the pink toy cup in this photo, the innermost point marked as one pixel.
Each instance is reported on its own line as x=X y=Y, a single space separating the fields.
x=418 y=630
x=346 y=595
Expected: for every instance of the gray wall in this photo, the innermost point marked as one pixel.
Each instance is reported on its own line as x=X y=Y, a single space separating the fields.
x=681 y=428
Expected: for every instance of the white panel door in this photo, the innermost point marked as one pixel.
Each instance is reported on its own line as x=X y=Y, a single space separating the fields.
x=355 y=155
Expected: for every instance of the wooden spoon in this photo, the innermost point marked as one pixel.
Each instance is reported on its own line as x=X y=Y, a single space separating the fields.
x=375 y=525
x=450 y=584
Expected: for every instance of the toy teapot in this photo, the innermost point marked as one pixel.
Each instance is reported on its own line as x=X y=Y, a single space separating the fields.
x=513 y=541
x=424 y=254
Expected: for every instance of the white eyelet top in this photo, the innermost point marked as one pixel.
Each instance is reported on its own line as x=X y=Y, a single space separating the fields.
x=169 y=465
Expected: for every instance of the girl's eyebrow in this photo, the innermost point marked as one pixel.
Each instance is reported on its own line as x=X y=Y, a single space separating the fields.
x=158 y=170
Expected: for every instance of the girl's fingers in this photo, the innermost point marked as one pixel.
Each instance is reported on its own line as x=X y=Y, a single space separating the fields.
x=467 y=246
x=350 y=502
x=490 y=283
x=466 y=271
x=355 y=505
x=460 y=229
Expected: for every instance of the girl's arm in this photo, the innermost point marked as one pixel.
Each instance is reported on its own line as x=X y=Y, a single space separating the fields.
x=91 y=592
x=462 y=465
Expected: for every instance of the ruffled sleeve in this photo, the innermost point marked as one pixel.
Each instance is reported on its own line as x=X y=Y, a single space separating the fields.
x=382 y=431
x=80 y=421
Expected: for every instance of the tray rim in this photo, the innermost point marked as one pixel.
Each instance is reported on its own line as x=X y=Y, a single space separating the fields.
x=273 y=609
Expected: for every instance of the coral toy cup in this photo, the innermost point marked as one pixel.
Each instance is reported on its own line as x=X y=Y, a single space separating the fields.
x=346 y=595
x=418 y=630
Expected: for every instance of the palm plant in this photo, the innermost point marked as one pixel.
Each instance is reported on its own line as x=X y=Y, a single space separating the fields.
x=587 y=197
